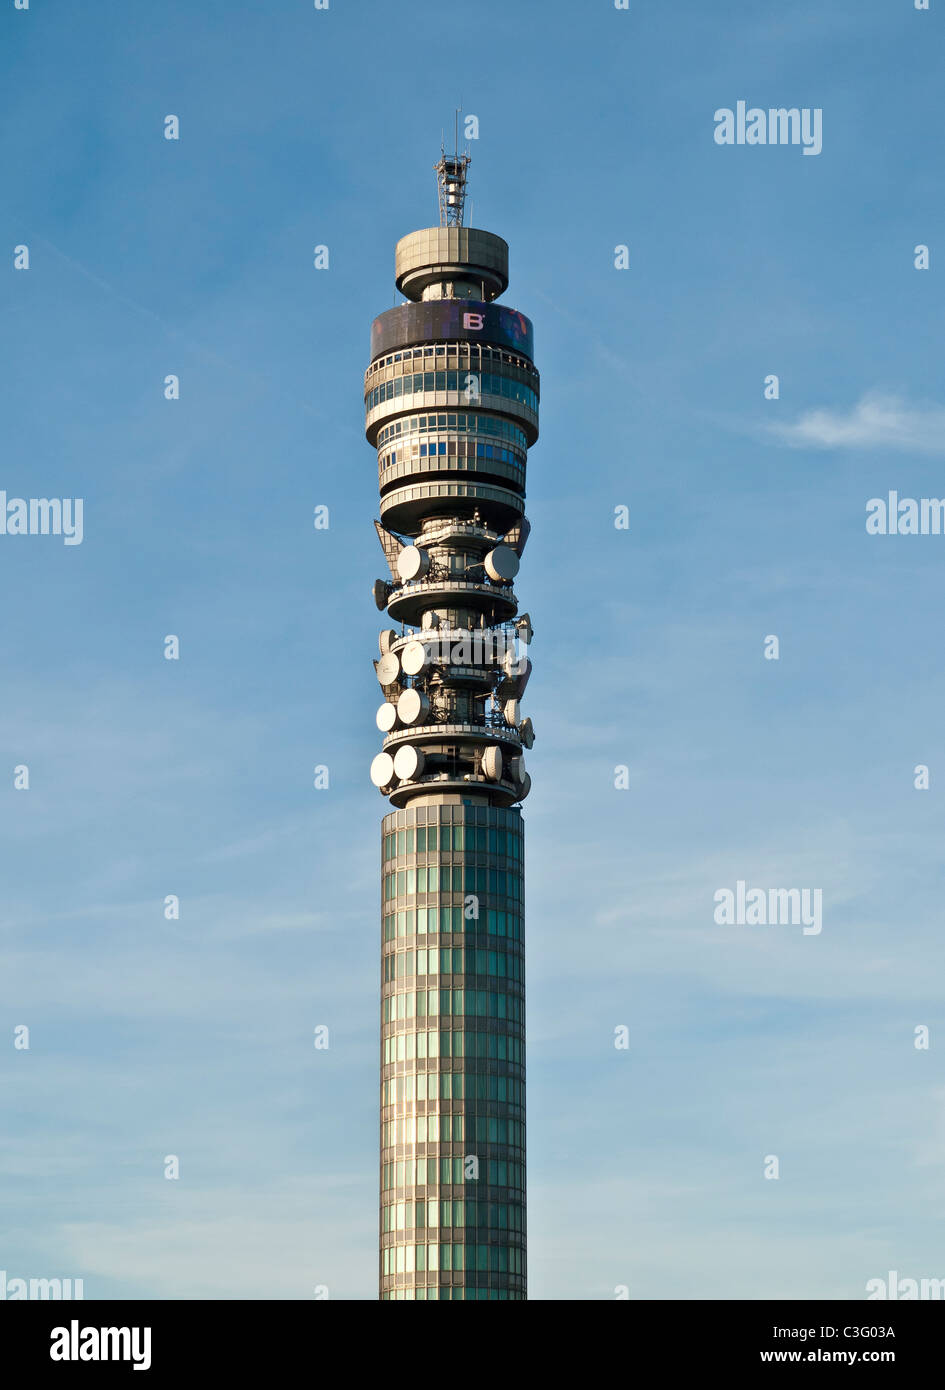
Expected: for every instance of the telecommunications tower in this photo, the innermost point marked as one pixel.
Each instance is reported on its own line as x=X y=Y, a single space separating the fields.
x=451 y=401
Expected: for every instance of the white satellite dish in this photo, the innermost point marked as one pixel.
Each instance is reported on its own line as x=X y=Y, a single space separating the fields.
x=386 y=717
x=388 y=668
x=413 y=707
x=385 y=639
x=409 y=762
x=492 y=762
x=525 y=630
x=413 y=658
x=526 y=732
x=512 y=709
x=501 y=564
x=430 y=620
x=525 y=788
x=412 y=563
x=516 y=769
x=382 y=770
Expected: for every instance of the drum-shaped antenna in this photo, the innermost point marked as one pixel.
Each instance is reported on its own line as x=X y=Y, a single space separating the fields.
x=386 y=717
x=388 y=668
x=409 y=762
x=382 y=770
x=501 y=564
x=413 y=707
x=413 y=658
x=412 y=563
x=492 y=762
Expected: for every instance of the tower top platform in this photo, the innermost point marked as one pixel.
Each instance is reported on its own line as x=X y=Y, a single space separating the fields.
x=472 y=263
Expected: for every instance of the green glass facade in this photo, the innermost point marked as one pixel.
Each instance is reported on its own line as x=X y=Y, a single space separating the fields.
x=452 y=1053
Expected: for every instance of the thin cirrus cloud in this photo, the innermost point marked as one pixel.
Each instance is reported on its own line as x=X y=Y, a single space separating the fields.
x=878 y=420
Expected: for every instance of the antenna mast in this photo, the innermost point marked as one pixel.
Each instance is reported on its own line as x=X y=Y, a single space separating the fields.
x=451 y=181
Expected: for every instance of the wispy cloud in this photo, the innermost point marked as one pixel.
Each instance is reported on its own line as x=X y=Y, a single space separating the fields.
x=878 y=420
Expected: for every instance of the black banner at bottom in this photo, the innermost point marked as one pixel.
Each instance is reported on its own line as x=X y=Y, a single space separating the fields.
x=161 y=1341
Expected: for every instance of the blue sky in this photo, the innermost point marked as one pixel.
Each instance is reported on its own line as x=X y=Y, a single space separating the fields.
x=149 y=777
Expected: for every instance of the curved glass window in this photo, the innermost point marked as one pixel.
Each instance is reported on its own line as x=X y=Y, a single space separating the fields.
x=487 y=384
x=464 y=353
x=407 y=1047
x=424 y=1172
x=408 y=450
x=463 y=423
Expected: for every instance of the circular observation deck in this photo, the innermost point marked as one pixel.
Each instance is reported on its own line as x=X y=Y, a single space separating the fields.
x=431 y=256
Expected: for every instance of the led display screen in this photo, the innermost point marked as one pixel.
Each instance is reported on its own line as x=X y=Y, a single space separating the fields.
x=455 y=320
